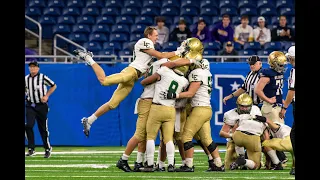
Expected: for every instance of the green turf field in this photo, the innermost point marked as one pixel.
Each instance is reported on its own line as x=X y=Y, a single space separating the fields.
x=90 y=163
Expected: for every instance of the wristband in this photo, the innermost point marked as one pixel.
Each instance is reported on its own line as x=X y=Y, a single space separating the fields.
x=232 y=94
x=230 y=134
x=177 y=96
x=284 y=108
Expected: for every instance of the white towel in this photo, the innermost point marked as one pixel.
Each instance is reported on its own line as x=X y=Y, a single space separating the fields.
x=136 y=106
x=177 y=123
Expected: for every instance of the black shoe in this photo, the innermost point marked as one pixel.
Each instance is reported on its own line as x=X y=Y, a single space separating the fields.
x=216 y=168
x=47 y=153
x=293 y=171
x=210 y=168
x=147 y=169
x=158 y=169
x=185 y=168
x=241 y=160
x=145 y=164
x=234 y=166
x=137 y=167
x=277 y=167
x=31 y=152
x=171 y=168
x=123 y=165
x=86 y=126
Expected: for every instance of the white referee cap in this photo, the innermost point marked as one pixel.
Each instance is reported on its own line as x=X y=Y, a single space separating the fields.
x=291 y=51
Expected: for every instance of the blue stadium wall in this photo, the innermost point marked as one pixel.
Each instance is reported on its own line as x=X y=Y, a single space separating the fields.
x=79 y=94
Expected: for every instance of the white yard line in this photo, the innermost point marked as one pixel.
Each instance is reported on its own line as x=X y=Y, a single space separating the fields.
x=70 y=165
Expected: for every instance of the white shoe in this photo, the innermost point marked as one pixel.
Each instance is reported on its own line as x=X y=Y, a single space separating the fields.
x=86 y=126
x=81 y=54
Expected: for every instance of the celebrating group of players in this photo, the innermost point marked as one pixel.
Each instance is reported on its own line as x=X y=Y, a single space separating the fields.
x=175 y=103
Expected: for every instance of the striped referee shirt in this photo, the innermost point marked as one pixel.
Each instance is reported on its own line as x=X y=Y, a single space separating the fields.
x=292 y=82
x=249 y=85
x=36 y=87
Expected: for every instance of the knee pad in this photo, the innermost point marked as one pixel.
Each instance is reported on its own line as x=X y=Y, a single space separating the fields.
x=188 y=145
x=212 y=147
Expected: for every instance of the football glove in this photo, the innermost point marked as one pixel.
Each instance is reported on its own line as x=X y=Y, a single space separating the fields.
x=167 y=95
x=260 y=118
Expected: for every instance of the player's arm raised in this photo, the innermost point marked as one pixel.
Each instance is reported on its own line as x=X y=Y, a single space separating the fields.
x=151 y=79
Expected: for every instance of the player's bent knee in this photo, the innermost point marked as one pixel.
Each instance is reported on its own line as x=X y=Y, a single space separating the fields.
x=212 y=147
x=188 y=145
x=165 y=140
x=140 y=137
x=113 y=104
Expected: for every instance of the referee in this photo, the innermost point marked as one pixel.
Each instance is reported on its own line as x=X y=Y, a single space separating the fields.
x=37 y=107
x=291 y=98
x=250 y=82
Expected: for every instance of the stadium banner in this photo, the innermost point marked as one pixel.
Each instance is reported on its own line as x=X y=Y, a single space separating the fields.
x=79 y=94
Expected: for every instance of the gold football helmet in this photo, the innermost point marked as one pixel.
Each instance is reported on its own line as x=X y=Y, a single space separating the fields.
x=194 y=44
x=277 y=61
x=244 y=104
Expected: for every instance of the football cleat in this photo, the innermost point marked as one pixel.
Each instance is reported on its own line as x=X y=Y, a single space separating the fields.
x=147 y=169
x=216 y=168
x=31 y=152
x=86 y=126
x=81 y=54
x=210 y=168
x=123 y=165
x=293 y=171
x=277 y=166
x=171 y=168
x=185 y=168
x=47 y=153
x=137 y=167
x=158 y=169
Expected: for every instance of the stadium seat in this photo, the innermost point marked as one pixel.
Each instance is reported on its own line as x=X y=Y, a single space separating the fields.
x=61 y=29
x=231 y=11
x=81 y=28
x=120 y=28
x=170 y=3
x=128 y=45
x=137 y=28
x=105 y=20
x=169 y=11
x=265 y=11
x=151 y=3
x=86 y=20
x=100 y=28
x=115 y=46
x=172 y=27
x=94 y=3
x=264 y=53
x=135 y=37
x=75 y=3
x=248 y=11
x=147 y=20
x=215 y=46
x=247 y=4
x=90 y=11
x=190 y=3
x=53 y=11
x=252 y=46
x=71 y=11
x=106 y=53
x=93 y=46
x=66 y=20
x=245 y=53
x=237 y=46
x=150 y=11
x=47 y=22
x=129 y=11
x=170 y=46
x=187 y=19
x=132 y=3
x=192 y=27
x=110 y=11
x=208 y=3
x=56 y=3
x=114 y=3
x=228 y=4
x=207 y=19
x=98 y=37
x=168 y=20
x=33 y=11
x=287 y=44
x=124 y=20
x=236 y=20
x=274 y=46
x=272 y=26
x=287 y=11
x=79 y=37
x=209 y=11
x=275 y=20
x=37 y=3
x=215 y=20
x=208 y=52
x=211 y=27
x=118 y=37
x=265 y=4
x=284 y=4
x=125 y=53
x=293 y=20
x=189 y=11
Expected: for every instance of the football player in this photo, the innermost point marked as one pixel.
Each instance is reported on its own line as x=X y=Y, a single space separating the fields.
x=247 y=133
x=199 y=119
x=143 y=53
x=270 y=84
x=171 y=80
x=281 y=138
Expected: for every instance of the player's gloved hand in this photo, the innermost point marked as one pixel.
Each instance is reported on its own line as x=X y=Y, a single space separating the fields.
x=260 y=118
x=196 y=62
x=167 y=95
x=180 y=50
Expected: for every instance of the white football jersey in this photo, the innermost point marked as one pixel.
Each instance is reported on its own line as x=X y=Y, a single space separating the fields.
x=141 y=60
x=246 y=123
x=148 y=91
x=230 y=118
x=169 y=81
x=282 y=132
x=203 y=94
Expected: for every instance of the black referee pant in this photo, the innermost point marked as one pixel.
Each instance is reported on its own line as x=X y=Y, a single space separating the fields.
x=293 y=130
x=37 y=112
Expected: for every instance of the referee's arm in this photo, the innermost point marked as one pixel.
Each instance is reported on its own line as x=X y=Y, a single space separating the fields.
x=237 y=93
x=291 y=90
x=52 y=88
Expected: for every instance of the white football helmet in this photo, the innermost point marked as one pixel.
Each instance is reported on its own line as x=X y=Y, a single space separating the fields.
x=205 y=64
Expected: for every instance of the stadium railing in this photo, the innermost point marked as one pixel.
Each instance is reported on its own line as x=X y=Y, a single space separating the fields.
x=39 y=35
